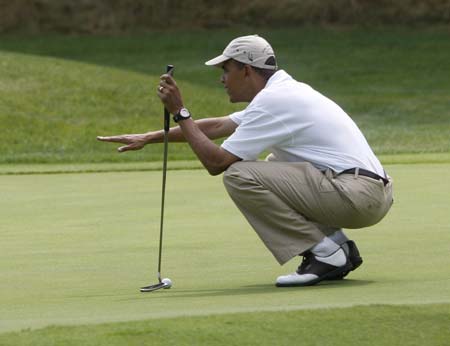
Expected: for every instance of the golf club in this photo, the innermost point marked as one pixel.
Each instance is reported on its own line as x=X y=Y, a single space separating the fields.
x=162 y=283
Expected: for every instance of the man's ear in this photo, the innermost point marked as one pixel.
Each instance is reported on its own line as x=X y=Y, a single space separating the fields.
x=248 y=70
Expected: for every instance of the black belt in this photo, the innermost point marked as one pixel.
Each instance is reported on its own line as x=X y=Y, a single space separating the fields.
x=366 y=173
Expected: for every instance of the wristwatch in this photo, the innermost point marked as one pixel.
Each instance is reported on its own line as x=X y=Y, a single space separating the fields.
x=183 y=114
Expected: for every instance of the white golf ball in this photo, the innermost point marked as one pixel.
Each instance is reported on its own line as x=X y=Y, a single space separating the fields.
x=167 y=282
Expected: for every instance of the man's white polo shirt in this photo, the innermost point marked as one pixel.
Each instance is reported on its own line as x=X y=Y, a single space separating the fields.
x=296 y=123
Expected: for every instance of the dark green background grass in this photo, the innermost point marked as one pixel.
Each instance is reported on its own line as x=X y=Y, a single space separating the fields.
x=58 y=92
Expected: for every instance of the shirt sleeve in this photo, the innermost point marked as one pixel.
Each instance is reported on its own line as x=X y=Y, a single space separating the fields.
x=237 y=117
x=257 y=132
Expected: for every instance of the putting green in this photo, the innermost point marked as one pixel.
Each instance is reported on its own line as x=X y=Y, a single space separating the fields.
x=76 y=247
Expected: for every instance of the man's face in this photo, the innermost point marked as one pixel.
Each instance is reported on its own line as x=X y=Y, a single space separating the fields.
x=234 y=79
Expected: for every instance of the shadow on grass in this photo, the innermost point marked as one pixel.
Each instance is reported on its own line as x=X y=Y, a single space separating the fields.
x=146 y=53
x=149 y=52
x=252 y=290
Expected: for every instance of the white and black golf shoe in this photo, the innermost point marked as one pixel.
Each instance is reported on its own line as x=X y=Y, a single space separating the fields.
x=354 y=257
x=314 y=269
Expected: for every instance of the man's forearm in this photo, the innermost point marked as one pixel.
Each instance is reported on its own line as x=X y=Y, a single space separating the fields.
x=175 y=135
x=212 y=128
x=214 y=158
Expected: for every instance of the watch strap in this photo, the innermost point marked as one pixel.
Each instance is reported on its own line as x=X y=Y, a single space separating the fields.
x=177 y=117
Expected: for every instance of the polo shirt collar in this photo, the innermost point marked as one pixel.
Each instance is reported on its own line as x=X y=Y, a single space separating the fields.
x=278 y=76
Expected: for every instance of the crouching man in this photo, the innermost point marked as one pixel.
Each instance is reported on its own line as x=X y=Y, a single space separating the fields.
x=320 y=177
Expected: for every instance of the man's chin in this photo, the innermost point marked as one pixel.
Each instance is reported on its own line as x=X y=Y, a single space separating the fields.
x=234 y=100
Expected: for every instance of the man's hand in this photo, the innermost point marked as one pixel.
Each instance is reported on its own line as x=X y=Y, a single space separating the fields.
x=169 y=94
x=134 y=142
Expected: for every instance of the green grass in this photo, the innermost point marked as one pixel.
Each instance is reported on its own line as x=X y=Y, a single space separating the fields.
x=76 y=247
x=55 y=168
x=364 y=325
x=59 y=92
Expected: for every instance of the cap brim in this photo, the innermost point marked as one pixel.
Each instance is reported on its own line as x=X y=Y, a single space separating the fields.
x=217 y=61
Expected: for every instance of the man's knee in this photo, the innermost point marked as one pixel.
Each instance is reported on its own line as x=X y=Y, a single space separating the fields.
x=236 y=176
x=230 y=175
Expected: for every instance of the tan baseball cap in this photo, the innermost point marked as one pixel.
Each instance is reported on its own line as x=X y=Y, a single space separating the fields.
x=251 y=50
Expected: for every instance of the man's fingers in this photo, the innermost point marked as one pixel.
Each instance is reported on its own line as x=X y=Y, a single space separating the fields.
x=133 y=146
x=116 y=139
x=126 y=148
x=168 y=79
x=133 y=142
x=163 y=86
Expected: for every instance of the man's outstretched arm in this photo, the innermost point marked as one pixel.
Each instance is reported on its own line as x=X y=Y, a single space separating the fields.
x=213 y=128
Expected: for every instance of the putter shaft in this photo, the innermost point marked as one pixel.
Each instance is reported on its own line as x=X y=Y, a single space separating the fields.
x=169 y=70
x=160 y=284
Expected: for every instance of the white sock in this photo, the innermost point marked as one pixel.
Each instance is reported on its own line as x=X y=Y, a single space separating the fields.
x=338 y=237
x=325 y=248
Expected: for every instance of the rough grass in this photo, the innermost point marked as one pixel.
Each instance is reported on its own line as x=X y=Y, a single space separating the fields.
x=59 y=92
x=364 y=325
x=102 y=16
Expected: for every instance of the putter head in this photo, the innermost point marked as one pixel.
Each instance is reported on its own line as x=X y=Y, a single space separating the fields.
x=152 y=288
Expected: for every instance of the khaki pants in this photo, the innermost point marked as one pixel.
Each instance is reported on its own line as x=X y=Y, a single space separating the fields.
x=293 y=206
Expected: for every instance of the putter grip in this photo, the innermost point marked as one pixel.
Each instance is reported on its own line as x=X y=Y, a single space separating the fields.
x=169 y=70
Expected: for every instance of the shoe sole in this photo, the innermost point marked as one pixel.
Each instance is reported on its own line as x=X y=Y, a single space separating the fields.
x=334 y=273
x=353 y=266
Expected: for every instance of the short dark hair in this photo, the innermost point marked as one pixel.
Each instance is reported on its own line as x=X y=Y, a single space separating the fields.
x=263 y=72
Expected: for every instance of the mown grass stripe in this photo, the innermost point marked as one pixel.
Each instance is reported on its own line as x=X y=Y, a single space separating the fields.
x=381 y=325
x=18 y=169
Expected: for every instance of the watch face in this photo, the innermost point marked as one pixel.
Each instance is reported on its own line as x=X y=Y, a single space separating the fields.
x=184 y=113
